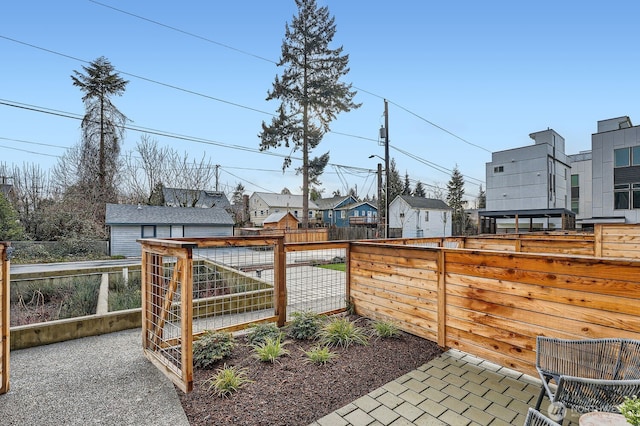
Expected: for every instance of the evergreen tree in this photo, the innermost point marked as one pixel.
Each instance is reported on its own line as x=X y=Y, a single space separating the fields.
x=419 y=190
x=482 y=199
x=455 y=192
x=102 y=130
x=10 y=227
x=310 y=91
x=406 y=189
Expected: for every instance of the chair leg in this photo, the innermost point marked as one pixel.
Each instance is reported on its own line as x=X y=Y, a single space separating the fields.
x=542 y=393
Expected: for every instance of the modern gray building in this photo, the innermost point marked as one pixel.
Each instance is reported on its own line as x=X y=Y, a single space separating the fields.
x=528 y=187
x=545 y=187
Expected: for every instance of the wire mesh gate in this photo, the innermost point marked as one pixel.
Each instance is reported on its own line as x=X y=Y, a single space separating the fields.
x=191 y=286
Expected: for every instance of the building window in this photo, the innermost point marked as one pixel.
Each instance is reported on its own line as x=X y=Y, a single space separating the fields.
x=575 y=193
x=426 y=216
x=635 y=156
x=261 y=212
x=148 y=231
x=330 y=214
x=295 y=213
x=622 y=157
x=343 y=214
x=498 y=169
x=621 y=197
x=636 y=195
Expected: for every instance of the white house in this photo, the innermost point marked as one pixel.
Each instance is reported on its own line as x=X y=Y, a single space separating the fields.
x=128 y=223
x=263 y=204
x=420 y=217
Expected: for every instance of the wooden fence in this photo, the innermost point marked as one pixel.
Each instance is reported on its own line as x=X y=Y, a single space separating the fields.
x=4 y=320
x=493 y=304
x=617 y=241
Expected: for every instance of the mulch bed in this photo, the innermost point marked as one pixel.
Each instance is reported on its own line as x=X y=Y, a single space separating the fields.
x=293 y=392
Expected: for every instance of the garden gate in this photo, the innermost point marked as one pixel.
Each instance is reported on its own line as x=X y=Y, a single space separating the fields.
x=4 y=318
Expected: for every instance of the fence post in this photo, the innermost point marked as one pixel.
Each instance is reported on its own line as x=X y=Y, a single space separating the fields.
x=5 y=345
x=280 y=281
x=597 y=233
x=186 y=285
x=442 y=298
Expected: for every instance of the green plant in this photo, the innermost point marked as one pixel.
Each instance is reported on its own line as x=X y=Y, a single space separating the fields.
x=630 y=409
x=319 y=355
x=385 y=329
x=342 y=332
x=351 y=307
x=125 y=294
x=304 y=325
x=227 y=380
x=270 y=350
x=84 y=298
x=258 y=333
x=211 y=348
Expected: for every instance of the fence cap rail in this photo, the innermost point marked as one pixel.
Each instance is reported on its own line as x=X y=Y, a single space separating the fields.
x=169 y=242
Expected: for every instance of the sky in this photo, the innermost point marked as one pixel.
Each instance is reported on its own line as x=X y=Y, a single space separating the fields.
x=463 y=79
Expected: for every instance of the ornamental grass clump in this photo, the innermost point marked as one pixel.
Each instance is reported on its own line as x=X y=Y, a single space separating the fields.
x=342 y=332
x=630 y=409
x=304 y=325
x=385 y=329
x=270 y=350
x=212 y=347
x=227 y=380
x=319 y=355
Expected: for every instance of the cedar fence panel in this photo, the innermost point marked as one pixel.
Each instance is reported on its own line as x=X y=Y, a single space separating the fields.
x=619 y=240
x=493 y=304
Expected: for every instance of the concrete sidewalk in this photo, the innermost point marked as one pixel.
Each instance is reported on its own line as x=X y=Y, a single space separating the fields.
x=95 y=380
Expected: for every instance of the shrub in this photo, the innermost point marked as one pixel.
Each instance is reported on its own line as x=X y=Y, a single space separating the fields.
x=319 y=355
x=211 y=348
x=227 y=380
x=385 y=329
x=270 y=350
x=84 y=297
x=342 y=332
x=258 y=333
x=124 y=294
x=305 y=325
x=630 y=409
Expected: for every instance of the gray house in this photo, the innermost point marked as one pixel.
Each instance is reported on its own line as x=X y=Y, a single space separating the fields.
x=130 y=222
x=176 y=197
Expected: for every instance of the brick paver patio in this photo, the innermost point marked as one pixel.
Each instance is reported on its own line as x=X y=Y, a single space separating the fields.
x=453 y=389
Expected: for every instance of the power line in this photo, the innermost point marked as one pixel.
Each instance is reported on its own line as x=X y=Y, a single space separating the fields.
x=276 y=63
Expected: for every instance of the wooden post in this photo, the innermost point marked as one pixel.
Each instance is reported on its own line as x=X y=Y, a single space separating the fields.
x=280 y=281
x=5 y=344
x=442 y=299
x=347 y=260
x=186 y=307
x=597 y=233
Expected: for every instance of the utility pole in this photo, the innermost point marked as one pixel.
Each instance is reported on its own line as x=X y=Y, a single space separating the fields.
x=380 y=223
x=217 y=176
x=386 y=169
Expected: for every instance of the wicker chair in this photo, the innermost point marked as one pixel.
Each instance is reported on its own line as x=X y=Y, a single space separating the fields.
x=536 y=418
x=591 y=375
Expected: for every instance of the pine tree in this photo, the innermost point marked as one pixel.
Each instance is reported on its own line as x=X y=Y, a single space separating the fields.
x=455 y=192
x=419 y=190
x=406 y=189
x=310 y=91
x=10 y=228
x=102 y=129
x=482 y=199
